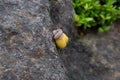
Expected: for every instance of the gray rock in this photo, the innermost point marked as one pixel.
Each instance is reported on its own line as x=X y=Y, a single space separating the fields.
x=105 y=49
x=27 y=49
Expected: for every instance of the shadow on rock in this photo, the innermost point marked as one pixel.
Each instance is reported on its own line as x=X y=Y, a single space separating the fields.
x=78 y=60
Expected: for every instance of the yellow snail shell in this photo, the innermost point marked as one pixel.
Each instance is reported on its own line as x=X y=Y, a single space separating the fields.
x=61 y=39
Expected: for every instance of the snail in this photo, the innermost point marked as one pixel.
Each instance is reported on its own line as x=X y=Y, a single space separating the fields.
x=61 y=39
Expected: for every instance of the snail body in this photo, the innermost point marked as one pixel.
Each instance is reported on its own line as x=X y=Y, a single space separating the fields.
x=61 y=39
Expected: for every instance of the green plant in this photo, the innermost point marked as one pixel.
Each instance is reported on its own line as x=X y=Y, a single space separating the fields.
x=96 y=13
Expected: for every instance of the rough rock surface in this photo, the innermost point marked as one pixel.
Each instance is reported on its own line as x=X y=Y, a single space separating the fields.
x=27 y=49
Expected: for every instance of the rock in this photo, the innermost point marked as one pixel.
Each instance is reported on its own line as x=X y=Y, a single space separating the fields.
x=105 y=49
x=27 y=49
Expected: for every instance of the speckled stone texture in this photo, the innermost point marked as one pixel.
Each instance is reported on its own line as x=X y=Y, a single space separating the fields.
x=27 y=49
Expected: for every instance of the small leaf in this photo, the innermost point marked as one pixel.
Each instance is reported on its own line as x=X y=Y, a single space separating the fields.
x=102 y=16
x=76 y=18
x=100 y=30
x=78 y=24
x=89 y=19
x=108 y=17
x=86 y=6
x=106 y=28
